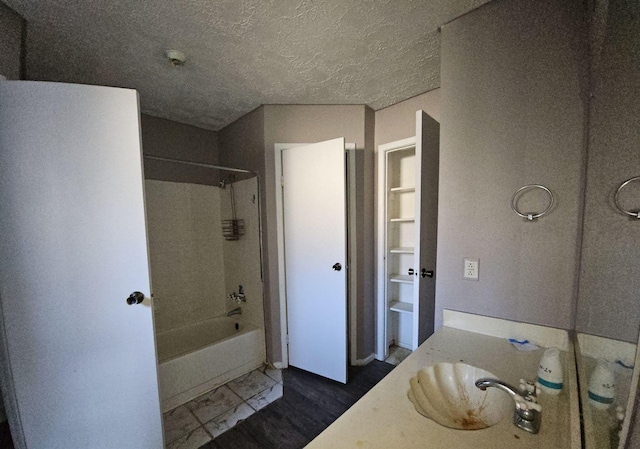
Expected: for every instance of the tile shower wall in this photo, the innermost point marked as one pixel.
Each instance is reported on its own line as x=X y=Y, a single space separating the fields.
x=242 y=257
x=186 y=252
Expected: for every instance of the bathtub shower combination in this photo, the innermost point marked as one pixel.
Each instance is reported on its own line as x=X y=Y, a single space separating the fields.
x=206 y=333
x=199 y=357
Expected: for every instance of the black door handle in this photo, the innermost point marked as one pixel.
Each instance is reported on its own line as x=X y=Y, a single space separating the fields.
x=336 y=267
x=135 y=298
x=426 y=273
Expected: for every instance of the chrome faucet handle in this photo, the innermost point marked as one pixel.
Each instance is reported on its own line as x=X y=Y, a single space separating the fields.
x=529 y=404
x=532 y=389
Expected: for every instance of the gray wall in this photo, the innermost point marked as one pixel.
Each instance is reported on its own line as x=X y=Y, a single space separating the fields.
x=306 y=124
x=242 y=143
x=399 y=120
x=610 y=275
x=608 y=302
x=242 y=146
x=633 y=441
x=11 y=29
x=165 y=138
x=249 y=142
x=367 y=244
x=512 y=114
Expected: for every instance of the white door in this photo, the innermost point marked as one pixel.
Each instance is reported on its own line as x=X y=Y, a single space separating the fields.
x=79 y=362
x=426 y=225
x=314 y=208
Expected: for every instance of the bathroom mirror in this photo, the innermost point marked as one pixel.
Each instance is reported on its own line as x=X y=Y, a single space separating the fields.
x=607 y=315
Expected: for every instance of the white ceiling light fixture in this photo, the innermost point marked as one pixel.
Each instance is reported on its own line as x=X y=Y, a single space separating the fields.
x=176 y=58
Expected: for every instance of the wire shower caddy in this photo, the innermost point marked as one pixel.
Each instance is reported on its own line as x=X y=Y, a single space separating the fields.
x=232 y=229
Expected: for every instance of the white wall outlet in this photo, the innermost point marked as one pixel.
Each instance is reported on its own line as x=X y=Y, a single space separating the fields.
x=471 y=267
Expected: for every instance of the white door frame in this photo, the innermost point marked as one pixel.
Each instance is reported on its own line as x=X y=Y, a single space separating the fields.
x=351 y=288
x=381 y=309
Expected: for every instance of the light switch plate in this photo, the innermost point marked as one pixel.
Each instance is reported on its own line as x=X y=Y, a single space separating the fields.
x=471 y=269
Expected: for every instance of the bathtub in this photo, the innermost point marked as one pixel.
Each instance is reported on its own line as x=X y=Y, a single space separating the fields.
x=197 y=358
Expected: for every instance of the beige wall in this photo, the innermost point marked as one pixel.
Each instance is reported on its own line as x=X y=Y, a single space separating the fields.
x=165 y=138
x=11 y=29
x=512 y=114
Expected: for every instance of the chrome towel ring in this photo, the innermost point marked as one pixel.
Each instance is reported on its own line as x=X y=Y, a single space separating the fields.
x=531 y=216
x=615 y=198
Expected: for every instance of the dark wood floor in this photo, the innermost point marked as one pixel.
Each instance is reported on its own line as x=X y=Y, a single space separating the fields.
x=5 y=436
x=309 y=404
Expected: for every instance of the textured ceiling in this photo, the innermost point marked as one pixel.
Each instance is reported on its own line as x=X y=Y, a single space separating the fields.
x=241 y=53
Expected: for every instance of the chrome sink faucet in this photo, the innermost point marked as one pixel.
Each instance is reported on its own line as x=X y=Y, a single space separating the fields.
x=527 y=415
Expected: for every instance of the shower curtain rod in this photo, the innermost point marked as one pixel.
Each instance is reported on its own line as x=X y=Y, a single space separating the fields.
x=199 y=164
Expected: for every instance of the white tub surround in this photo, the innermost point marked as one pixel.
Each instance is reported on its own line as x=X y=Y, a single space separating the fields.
x=197 y=358
x=385 y=418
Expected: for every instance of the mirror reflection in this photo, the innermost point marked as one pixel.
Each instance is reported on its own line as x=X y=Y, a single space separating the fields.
x=608 y=316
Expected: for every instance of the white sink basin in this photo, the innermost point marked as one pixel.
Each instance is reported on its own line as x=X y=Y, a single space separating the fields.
x=446 y=393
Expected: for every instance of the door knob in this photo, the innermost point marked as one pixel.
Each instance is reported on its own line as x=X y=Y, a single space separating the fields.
x=135 y=298
x=426 y=273
x=336 y=267
x=411 y=272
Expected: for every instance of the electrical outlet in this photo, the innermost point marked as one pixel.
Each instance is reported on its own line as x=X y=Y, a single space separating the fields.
x=470 y=270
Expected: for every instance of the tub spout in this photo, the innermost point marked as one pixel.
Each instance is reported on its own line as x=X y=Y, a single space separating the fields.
x=236 y=311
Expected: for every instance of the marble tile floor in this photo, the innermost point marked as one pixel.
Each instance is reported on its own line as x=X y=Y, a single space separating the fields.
x=397 y=355
x=199 y=421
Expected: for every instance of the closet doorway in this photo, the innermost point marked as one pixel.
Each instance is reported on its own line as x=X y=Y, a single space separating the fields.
x=313 y=209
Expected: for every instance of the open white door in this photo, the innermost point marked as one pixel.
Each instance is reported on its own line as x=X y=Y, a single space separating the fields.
x=79 y=363
x=314 y=209
x=427 y=175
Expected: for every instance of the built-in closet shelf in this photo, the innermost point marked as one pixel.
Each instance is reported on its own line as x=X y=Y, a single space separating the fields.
x=401 y=278
x=402 y=307
x=402 y=250
x=402 y=189
x=402 y=220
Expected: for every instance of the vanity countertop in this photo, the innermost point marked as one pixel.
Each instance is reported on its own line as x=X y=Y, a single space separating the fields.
x=385 y=418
